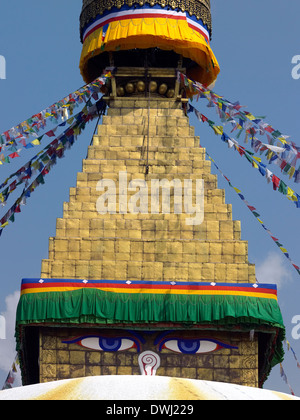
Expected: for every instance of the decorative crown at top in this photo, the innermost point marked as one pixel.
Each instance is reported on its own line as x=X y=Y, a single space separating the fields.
x=86 y=3
x=93 y=8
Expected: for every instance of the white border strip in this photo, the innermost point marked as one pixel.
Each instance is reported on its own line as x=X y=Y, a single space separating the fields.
x=140 y=13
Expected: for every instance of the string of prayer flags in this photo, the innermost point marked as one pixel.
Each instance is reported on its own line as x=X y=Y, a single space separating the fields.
x=289 y=347
x=46 y=160
x=59 y=111
x=31 y=144
x=256 y=215
x=284 y=377
x=13 y=375
x=38 y=161
x=278 y=150
x=282 y=372
x=277 y=184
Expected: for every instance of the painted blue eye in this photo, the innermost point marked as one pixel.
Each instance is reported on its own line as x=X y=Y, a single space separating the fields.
x=99 y=343
x=193 y=346
x=105 y=343
x=110 y=344
x=189 y=346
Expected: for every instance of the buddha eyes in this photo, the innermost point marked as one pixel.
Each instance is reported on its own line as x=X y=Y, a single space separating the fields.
x=106 y=343
x=174 y=344
x=193 y=346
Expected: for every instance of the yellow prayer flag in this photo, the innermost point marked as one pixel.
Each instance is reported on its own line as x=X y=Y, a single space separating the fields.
x=283 y=250
x=282 y=139
x=291 y=194
x=218 y=130
x=250 y=116
x=35 y=142
x=35 y=165
x=291 y=172
x=85 y=110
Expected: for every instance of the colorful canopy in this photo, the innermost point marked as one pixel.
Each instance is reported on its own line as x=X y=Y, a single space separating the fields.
x=225 y=306
x=135 y=302
x=129 y=25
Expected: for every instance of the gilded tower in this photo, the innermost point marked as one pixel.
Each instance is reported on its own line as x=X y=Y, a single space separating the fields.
x=147 y=273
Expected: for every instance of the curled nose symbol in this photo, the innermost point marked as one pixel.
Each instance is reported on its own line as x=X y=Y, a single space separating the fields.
x=149 y=363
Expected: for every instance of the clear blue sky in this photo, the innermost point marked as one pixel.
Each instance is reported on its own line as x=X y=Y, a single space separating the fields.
x=254 y=43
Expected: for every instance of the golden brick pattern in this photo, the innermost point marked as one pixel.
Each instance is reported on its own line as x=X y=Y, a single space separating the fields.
x=156 y=247
x=62 y=361
x=146 y=246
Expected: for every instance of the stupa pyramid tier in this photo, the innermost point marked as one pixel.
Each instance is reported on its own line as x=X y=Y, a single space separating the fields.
x=147 y=141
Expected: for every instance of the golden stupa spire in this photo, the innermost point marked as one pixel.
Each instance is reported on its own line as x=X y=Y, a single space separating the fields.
x=134 y=282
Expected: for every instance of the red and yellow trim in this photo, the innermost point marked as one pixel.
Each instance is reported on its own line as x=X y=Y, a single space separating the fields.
x=266 y=291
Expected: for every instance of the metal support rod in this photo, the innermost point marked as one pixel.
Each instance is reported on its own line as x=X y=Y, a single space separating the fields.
x=148 y=79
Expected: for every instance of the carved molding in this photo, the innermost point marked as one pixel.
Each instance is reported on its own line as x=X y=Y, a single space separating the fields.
x=199 y=8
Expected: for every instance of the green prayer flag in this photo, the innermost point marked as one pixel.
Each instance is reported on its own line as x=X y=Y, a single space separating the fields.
x=282 y=187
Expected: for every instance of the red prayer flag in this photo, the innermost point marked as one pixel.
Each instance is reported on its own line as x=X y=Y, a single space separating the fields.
x=50 y=133
x=13 y=155
x=276 y=182
x=12 y=186
x=269 y=129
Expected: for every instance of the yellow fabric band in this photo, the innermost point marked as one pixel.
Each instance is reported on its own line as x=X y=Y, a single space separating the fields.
x=163 y=33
